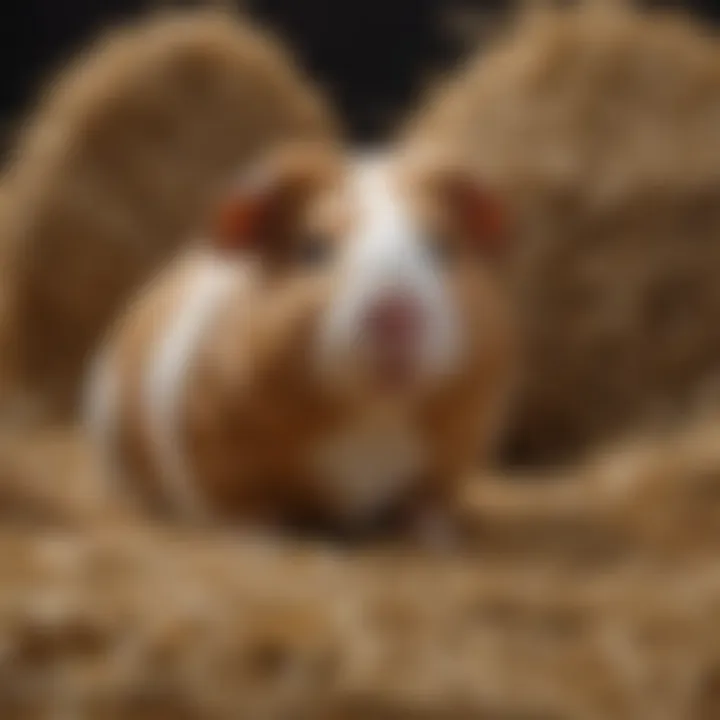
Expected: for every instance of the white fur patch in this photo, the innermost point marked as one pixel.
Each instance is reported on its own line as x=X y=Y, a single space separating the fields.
x=386 y=254
x=164 y=381
x=369 y=464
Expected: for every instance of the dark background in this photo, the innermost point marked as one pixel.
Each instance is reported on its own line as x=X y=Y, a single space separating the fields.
x=372 y=55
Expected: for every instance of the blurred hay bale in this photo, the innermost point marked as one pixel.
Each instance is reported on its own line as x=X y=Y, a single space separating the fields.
x=160 y=626
x=601 y=125
x=48 y=478
x=570 y=599
x=653 y=496
x=115 y=169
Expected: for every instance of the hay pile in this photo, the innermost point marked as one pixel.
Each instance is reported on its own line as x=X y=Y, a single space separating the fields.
x=590 y=599
x=116 y=168
x=591 y=592
x=601 y=125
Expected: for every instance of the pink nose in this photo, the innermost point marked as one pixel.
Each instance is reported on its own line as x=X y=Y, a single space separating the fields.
x=395 y=322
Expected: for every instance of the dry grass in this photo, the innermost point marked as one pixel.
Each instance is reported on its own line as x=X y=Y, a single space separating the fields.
x=601 y=126
x=593 y=599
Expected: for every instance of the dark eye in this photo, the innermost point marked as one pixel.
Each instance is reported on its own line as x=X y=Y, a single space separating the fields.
x=441 y=250
x=313 y=251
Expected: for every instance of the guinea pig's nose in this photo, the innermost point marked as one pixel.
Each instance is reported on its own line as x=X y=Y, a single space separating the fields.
x=395 y=320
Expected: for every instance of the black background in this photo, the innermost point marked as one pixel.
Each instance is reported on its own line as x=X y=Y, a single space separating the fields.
x=372 y=55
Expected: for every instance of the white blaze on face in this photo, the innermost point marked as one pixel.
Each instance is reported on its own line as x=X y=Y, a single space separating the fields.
x=386 y=255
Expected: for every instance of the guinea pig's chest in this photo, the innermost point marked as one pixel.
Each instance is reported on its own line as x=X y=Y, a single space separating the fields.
x=367 y=463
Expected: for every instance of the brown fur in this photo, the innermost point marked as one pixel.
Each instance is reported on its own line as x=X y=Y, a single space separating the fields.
x=601 y=125
x=115 y=170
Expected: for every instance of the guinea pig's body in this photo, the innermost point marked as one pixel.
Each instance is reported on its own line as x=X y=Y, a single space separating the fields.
x=259 y=388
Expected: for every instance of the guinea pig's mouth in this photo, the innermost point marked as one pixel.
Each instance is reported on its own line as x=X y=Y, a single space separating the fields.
x=387 y=372
x=393 y=371
x=391 y=345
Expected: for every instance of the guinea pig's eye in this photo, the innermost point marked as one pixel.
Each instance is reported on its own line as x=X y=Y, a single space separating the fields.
x=441 y=250
x=312 y=251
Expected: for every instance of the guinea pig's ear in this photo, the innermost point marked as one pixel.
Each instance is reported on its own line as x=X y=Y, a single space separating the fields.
x=478 y=211
x=264 y=207
x=475 y=209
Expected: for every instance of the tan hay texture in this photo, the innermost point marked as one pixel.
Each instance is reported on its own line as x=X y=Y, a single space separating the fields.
x=591 y=597
x=601 y=125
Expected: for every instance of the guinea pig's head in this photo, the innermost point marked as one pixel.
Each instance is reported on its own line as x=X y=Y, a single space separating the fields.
x=377 y=273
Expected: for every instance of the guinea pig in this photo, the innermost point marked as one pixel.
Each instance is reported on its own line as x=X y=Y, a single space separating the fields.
x=338 y=347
